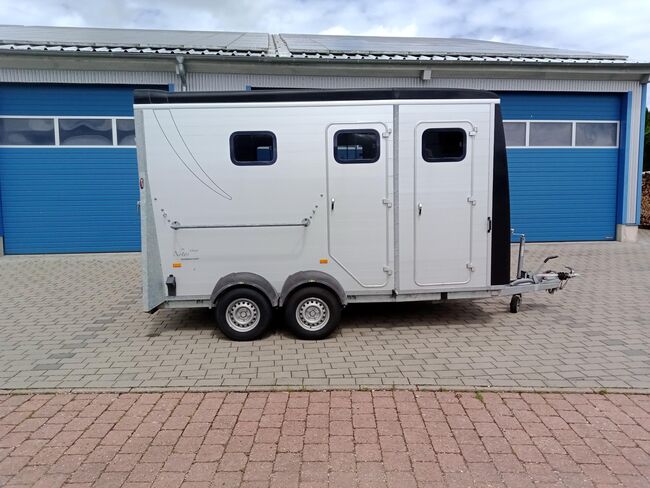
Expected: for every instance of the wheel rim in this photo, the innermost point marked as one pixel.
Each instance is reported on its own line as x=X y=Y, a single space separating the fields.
x=312 y=313
x=243 y=315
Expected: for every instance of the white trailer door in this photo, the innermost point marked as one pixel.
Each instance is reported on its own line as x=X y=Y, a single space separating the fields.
x=443 y=203
x=358 y=193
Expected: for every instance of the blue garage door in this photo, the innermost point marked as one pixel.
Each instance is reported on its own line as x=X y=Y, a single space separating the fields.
x=68 y=170
x=563 y=158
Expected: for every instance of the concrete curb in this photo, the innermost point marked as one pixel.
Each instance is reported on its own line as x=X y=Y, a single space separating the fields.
x=60 y=391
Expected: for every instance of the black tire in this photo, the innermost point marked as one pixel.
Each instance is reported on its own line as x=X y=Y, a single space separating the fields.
x=251 y=302
x=515 y=303
x=323 y=302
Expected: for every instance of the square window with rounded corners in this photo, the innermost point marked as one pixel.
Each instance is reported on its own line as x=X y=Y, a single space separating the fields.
x=356 y=146
x=253 y=148
x=446 y=145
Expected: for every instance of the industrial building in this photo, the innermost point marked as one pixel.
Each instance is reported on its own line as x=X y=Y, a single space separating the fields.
x=68 y=173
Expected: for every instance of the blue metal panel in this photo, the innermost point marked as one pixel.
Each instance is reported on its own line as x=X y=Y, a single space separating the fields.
x=42 y=99
x=563 y=194
x=560 y=106
x=63 y=200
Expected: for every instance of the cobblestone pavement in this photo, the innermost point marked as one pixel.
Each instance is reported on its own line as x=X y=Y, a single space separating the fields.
x=340 y=439
x=76 y=322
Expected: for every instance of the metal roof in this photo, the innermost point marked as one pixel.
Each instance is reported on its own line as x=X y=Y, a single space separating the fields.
x=299 y=46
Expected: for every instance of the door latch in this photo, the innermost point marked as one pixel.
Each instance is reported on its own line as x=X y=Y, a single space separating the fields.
x=470 y=266
x=332 y=206
x=388 y=270
x=419 y=209
x=489 y=224
x=471 y=201
x=387 y=202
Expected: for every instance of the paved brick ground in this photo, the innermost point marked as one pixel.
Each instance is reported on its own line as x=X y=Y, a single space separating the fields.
x=75 y=321
x=340 y=439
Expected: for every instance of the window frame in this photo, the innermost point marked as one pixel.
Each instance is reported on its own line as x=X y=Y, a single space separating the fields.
x=573 y=123
x=374 y=132
x=57 y=141
x=274 y=148
x=455 y=159
x=55 y=129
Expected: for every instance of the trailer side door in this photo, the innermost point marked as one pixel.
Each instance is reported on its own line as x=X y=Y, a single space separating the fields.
x=358 y=201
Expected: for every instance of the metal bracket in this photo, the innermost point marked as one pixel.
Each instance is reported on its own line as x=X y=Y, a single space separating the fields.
x=388 y=270
x=470 y=266
x=473 y=131
x=471 y=201
x=387 y=202
x=387 y=134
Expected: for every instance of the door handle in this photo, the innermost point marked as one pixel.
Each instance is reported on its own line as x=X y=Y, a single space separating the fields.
x=332 y=206
x=419 y=209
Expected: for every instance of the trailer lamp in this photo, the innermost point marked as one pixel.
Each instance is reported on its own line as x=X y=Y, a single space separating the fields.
x=324 y=261
x=177 y=265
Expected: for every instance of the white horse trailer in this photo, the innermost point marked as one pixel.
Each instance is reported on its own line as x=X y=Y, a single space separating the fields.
x=308 y=200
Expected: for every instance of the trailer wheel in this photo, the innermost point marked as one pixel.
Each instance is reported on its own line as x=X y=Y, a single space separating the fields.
x=243 y=314
x=312 y=313
x=515 y=303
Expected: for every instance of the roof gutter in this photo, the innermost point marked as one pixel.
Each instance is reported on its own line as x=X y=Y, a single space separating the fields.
x=294 y=65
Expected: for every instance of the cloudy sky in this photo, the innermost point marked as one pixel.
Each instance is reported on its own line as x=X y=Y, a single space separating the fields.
x=607 y=26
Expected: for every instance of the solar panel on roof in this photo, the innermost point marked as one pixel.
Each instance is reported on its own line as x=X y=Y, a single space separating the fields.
x=244 y=41
x=303 y=43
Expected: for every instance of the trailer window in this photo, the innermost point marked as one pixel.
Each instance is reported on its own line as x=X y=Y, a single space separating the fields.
x=444 y=145
x=356 y=146
x=253 y=148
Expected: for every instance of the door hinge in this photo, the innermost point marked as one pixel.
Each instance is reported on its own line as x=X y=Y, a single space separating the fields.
x=388 y=270
x=387 y=202
x=471 y=201
x=387 y=134
x=470 y=266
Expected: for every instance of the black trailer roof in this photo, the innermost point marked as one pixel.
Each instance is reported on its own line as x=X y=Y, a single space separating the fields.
x=300 y=95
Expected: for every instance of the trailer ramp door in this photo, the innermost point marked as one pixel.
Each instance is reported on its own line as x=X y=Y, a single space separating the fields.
x=358 y=205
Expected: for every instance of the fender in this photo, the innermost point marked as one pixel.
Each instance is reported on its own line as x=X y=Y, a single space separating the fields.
x=245 y=279
x=305 y=277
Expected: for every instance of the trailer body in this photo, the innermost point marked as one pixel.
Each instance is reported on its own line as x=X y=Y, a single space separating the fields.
x=373 y=195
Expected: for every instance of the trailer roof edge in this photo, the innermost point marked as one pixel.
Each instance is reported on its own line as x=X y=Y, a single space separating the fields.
x=145 y=97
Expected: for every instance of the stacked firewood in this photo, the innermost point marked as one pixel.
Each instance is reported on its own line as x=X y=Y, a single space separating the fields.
x=645 y=199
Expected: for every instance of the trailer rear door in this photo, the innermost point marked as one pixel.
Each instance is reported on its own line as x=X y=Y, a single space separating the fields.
x=358 y=201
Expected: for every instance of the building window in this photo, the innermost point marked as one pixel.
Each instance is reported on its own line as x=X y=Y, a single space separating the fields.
x=356 y=146
x=444 y=145
x=515 y=133
x=125 y=129
x=561 y=133
x=557 y=134
x=26 y=132
x=253 y=148
x=596 y=134
x=85 y=132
